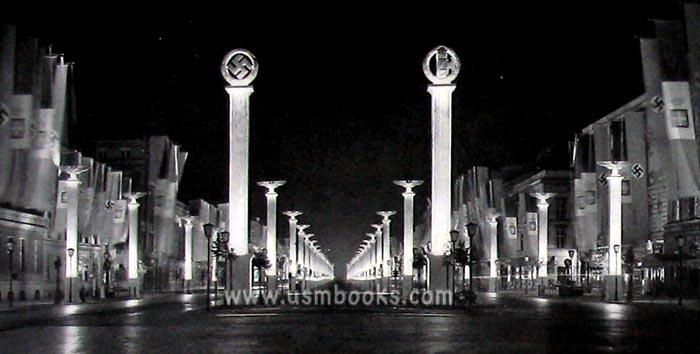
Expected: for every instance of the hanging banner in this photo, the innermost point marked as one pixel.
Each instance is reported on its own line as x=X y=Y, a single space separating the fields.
x=532 y=224
x=681 y=133
x=119 y=211
x=42 y=137
x=20 y=112
x=512 y=227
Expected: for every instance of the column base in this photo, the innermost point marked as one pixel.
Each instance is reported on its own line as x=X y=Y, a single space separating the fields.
x=493 y=284
x=241 y=277
x=406 y=286
x=614 y=288
x=437 y=280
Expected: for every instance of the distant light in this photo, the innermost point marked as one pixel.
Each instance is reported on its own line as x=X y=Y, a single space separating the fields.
x=501 y=77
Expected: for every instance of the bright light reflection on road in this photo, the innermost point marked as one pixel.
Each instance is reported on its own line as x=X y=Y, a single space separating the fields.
x=615 y=311
x=70 y=342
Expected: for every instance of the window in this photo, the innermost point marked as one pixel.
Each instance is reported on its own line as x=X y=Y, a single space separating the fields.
x=679 y=118
x=625 y=187
x=560 y=208
x=561 y=236
x=21 y=255
x=522 y=241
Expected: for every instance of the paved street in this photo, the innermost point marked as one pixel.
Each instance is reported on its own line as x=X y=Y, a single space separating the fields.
x=504 y=323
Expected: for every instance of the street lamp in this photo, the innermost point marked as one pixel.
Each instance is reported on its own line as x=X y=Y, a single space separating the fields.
x=680 y=240
x=527 y=269
x=57 y=265
x=208 y=228
x=573 y=265
x=107 y=268
x=471 y=231
x=10 y=251
x=454 y=235
x=71 y=251
x=617 y=250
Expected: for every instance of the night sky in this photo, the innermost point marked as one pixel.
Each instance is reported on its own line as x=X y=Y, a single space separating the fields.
x=340 y=107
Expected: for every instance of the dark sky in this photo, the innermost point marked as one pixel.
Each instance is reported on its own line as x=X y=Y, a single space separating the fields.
x=340 y=107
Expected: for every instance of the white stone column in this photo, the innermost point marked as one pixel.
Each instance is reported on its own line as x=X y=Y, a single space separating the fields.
x=492 y=216
x=407 y=265
x=271 y=238
x=441 y=74
x=542 y=234
x=72 y=242
x=239 y=68
x=133 y=255
x=292 y=214
x=614 y=281
x=386 y=247
x=186 y=223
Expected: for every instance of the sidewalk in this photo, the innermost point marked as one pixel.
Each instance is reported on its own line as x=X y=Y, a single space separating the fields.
x=21 y=306
x=595 y=297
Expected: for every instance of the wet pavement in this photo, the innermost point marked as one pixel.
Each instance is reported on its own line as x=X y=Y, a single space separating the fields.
x=505 y=323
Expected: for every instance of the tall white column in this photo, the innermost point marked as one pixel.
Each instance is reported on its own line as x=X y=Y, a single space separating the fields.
x=614 y=226
x=386 y=246
x=271 y=246
x=542 y=234
x=133 y=255
x=492 y=221
x=186 y=223
x=239 y=68
x=407 y=265
x=292 y=214
x=71 y=198
x=441 y=74
x=378 y=246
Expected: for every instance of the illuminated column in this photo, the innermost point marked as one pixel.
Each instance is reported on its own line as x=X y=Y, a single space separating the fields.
x=492 y=220
x=441 y=74
x=239 y=68
x=386 y=246
x=186 y=223
x=407 y=266
x=542 y=234
x=379 y=254
x=133 y=255
x=305 y=260
x=271 y=197
x=71 y=199
x=614 y=227
x=292 y=246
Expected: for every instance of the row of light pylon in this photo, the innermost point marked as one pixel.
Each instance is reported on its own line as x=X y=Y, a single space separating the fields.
x=373 y=258
x=306 y=256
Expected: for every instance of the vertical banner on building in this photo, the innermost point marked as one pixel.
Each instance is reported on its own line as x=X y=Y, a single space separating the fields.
x=512 y=227
x=531 y=226
x=18 y=125
x=681 y=133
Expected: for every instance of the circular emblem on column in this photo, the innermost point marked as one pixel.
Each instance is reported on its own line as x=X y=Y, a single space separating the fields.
x=239 y=67
x=441 y=65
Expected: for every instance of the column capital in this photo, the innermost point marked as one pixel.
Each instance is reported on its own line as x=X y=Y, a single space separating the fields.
x=303 y=227
x=271 y=186
x=542 y=197
x=185 y=220
x=617 y=168
x=448 y=88
x=133 y=196
x=245 y=91
x=73 y=171
x=492 y=215
x=385 y=215
x=292 y=214
x=409 y=184
x=378 y=228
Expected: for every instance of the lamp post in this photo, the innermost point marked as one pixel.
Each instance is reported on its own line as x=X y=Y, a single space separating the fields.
x=617 y=251
x=573 y=264
x=10 y=251
x=471 y=231
x=527 y=269
x=71 y=251
x=454 y=235
x=57 y=265
x=107 y=267
x=680 y=240
x=208 y=228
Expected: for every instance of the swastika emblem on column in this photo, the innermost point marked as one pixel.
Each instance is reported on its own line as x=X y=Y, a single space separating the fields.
x=637 y=171
x=602 y=180
x=239 y=67
x=441 y=65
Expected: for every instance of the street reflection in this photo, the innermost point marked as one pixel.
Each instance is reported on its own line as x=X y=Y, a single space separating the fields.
x=71 y=340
